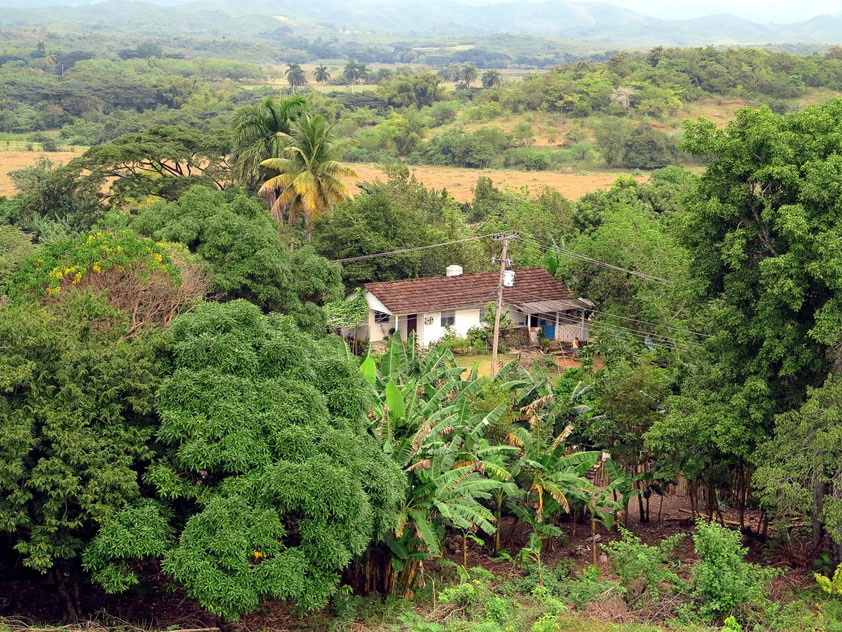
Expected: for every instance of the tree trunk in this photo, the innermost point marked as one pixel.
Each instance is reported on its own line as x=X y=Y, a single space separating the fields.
x=836 y=547
x=640 y=505
x=819 y=491
x=68 y=594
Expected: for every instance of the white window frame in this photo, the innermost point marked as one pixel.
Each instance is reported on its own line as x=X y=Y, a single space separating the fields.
x=449 y=315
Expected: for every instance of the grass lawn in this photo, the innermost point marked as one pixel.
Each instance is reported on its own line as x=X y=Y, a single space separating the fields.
x=483 y=359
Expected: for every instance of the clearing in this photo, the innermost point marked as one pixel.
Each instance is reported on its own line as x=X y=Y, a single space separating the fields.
x=460 y=182
x=13 y=159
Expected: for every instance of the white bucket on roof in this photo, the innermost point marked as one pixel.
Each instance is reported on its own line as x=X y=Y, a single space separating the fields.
x=508 y=278
x=453 y=270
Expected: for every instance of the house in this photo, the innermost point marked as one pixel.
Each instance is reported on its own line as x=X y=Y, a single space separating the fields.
x=430 y=306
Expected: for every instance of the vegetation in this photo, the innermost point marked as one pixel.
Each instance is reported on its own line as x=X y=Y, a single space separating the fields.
x=181 y=419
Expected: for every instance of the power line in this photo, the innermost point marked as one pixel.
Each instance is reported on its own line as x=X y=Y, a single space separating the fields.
x=646 y=322
x=637 y=333
x=603 y=264
x=406 y=250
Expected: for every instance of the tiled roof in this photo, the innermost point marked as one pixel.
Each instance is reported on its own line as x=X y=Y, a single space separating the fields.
x=433 y=294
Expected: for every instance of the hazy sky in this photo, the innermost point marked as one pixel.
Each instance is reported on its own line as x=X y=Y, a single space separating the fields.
x=755 y=10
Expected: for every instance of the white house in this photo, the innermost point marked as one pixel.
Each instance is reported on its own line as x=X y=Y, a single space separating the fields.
x=428 y=306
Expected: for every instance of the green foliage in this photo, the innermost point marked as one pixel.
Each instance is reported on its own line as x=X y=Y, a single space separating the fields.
x=265 y=465
x=49 y=194
x=645 y=571
x=73 y=262
x=799 y=467
x=162 y=161
x=419 y=89
x=732 y=625
x=722 y=581
x=247 y=258
x=261 y=132
x=15 y=247
x=308 y=181
x=76 y=420
x=831 y=585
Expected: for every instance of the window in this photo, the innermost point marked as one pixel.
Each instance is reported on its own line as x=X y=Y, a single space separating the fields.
x=381 y=317
x=448 y=319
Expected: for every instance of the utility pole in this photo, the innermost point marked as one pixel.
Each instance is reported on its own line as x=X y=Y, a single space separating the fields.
x=503 y=263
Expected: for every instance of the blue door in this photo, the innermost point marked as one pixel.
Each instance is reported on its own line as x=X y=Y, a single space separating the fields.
x=549 y=331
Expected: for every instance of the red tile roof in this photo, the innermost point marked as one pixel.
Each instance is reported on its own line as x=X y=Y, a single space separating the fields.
x=433 y=294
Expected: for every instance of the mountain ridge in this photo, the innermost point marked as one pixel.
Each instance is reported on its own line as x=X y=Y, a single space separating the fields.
x=563 y=19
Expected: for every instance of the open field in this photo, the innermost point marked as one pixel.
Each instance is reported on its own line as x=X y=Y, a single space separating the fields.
x=11 y=160
x=460 y=182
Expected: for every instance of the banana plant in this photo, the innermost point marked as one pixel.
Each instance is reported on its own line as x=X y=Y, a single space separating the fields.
x=423 y=415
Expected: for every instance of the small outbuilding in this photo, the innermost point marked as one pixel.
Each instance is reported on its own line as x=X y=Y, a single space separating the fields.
x=431 y=306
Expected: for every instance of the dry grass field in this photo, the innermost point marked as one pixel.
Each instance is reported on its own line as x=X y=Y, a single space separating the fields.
x=460 y=182
x=13 y=159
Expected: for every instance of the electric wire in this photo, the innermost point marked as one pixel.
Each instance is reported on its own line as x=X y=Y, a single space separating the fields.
x=604 y=264
x=408 y=250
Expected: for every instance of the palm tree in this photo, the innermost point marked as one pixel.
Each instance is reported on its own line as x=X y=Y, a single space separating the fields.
x=321 y=74
x=362 y=72
x=295 y=75
x=350 y=72
x=354 y=72
x=308 y=180
x=491 y=78
x=468 y=73
x=261 y=132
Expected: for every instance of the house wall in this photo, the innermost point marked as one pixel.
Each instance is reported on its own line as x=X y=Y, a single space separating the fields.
x=433 y=332
x=377 y=332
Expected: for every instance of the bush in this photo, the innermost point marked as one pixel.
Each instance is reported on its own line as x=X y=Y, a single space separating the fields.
x=722 y=581
x=832 y=586
x=526 y=157
x=644 y=570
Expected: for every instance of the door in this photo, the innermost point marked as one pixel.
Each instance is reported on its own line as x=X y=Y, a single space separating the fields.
x=411 y=324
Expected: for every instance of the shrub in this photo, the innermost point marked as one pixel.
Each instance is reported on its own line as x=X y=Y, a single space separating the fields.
x=644 y=570
x=832 y=586
x=722 y=581
x=528 y=158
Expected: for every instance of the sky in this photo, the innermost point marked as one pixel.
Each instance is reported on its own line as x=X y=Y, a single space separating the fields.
x=755 y=10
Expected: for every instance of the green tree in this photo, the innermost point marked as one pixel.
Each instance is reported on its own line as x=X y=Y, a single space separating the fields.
x=266 y=482
x=130 y=273
x=53 y=200
x=321 y=74
x=76 y=420
x=247 y=258
x=761 y=231
x=309 y=181
x=491 y=78
x=262 y=132
x=800 y=469
x=468 y=73
x=15 y=247
x=162 y=160
x=296 y=76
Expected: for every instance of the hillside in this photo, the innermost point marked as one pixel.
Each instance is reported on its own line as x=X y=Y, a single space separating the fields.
x=600 y=22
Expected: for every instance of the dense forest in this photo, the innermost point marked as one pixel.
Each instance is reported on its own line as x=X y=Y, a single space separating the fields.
x=187 y=441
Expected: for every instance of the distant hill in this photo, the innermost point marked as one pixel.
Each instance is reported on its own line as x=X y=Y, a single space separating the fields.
x=428 y=18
